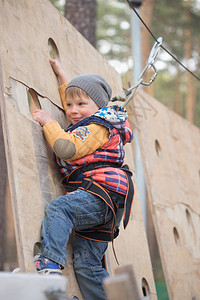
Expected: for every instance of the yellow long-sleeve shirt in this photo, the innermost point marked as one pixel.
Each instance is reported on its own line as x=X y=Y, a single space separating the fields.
x=78 y=143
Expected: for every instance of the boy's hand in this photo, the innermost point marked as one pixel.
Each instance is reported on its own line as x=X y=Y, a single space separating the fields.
x=56 y=66
x=42 y=116
x=58 y=70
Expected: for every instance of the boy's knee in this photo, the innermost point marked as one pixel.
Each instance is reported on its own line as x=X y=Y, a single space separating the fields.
x=77 y=261
x=54 y=205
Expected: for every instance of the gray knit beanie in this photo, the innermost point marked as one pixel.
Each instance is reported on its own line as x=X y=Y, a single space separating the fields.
x=95 y=86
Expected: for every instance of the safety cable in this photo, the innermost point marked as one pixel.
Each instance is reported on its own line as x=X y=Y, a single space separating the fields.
x=127 y=95
x=133 y=8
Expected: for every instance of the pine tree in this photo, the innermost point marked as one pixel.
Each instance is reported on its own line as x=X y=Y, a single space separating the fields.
x=82 y=15
x=177 y=22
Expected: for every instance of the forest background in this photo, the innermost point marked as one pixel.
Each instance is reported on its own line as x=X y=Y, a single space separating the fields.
x=107 y=26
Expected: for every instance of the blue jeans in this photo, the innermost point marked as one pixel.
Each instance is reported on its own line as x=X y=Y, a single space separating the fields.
x=78 y=210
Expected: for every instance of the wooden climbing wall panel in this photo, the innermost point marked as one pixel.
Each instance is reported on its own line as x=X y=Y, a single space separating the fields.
x=128 y=246
x=29 y=31
x=170 y=150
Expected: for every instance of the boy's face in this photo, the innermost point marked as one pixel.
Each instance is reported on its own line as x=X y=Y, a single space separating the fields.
x=79 y=108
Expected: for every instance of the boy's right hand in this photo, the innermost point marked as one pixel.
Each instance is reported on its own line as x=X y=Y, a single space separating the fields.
x=58 y=70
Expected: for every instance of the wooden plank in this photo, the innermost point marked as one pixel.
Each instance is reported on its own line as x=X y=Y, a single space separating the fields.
x=33 y=175
x=123 y=285
x=30 y=286
x=128 y=250
x=10 y=252
x=7 y=237
x=3 y=183
x=119 y=287
x=170 y=150
x=128 y=245
x=43 y=183
x=129 y=270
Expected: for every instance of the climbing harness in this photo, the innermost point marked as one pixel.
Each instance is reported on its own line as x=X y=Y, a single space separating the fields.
x=106 y=232
x=128 y=94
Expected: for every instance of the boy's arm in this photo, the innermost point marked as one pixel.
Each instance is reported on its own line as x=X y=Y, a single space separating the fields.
x=62 y=77
x=80 y=142
x=61 y=90
x=58 y=70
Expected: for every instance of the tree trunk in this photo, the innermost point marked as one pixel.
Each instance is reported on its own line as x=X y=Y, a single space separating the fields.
x=188 y=54
x=195 y=82
x=146 y=14
x=178 y=99
x=82 y=15
x=189 y=96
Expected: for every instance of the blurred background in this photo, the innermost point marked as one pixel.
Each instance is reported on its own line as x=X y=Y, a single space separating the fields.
x=107 y=26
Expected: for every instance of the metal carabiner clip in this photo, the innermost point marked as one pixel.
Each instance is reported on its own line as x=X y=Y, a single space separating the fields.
x=154 y=51
x=150 y=63
x=128 y=94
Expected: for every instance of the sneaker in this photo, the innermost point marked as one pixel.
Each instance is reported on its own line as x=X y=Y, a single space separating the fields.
x=46 y=266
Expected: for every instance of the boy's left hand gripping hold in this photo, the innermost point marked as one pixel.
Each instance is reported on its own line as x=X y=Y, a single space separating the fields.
x=42 y=116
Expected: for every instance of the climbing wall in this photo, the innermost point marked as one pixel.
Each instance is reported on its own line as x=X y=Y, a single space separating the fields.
x=31 y=31
x=129 y=245
x=170 y=150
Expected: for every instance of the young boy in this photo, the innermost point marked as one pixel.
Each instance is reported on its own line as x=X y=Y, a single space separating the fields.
x=90 y=155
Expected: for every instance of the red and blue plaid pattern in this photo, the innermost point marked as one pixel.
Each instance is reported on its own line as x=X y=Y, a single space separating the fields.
x=113 y=151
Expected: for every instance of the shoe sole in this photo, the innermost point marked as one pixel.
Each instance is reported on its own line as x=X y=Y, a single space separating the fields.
x=50 y=272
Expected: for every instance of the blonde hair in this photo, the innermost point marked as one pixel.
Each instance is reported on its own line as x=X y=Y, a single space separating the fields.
x=74 y=91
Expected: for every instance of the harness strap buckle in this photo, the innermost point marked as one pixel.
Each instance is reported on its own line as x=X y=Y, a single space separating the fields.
x=89 y=183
